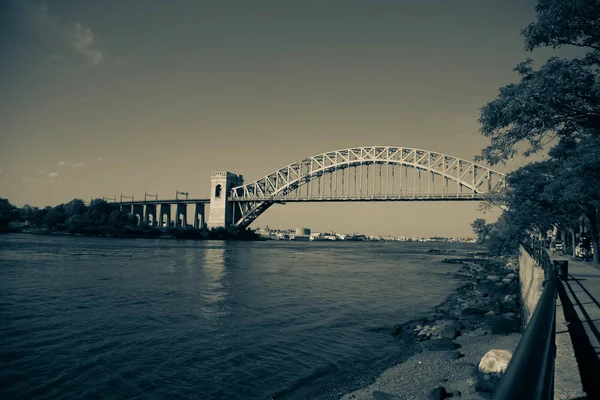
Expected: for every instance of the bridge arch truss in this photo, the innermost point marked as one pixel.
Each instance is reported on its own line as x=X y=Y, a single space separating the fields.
x=377 y=173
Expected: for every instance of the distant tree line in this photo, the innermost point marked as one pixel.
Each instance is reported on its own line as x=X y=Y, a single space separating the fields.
x=101 y=218
x=557 y=105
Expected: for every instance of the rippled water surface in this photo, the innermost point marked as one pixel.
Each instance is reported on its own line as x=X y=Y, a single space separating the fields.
x=137 y=318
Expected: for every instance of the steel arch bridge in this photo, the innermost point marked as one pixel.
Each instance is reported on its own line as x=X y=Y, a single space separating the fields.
x=377 y=173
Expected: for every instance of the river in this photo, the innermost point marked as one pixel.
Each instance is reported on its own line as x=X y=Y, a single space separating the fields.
x=140 y=318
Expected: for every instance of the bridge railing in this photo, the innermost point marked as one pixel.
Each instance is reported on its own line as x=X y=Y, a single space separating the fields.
x=370 y=196
x=530 y=374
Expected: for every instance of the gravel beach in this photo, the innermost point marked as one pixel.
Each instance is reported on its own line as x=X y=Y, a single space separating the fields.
x=423 y=372
x=483 y=315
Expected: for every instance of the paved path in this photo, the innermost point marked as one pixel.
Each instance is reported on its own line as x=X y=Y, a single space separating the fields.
x=580 y=298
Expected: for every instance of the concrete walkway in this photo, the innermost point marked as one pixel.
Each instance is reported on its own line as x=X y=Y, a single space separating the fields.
x=579 y=301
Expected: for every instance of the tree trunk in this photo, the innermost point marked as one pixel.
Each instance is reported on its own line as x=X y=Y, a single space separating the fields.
x=593 y=218
x=573 y=244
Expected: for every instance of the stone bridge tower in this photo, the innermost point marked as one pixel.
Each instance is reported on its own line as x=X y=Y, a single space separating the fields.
x=221 y=209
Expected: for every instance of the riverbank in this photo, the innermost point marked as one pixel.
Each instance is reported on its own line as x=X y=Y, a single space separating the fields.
x=438 y=354
x=483 y=314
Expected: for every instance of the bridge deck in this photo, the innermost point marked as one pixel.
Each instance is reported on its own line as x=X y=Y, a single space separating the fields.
x=172 y=201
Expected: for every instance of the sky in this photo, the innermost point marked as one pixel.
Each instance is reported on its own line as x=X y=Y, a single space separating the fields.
x=102 y=98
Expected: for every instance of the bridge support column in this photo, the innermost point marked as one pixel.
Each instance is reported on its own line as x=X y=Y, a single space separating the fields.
x=221 y=207
x=127 y=209
x=150 y=211
x=138 y=210
x=181 y=212
x=165 y=215
x=199 y=216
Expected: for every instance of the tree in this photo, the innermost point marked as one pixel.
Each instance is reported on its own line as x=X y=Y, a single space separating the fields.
x=33 y=215
x=56 y=217
x=558 y=103
x=75 y=207
x=578 y=183
x=8 y=212
x=501 y=237
x=530 y=207
x=482 y=229
x=564 y=22
x=505 y=236
x=561 y=99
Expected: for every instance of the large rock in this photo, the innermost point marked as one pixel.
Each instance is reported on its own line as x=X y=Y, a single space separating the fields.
x=440 y=345
x=379 y=395
x=457 y=325
x=472 y=313
x=501 y=325
x=439 y=393
x=451 y=355
x=449 y=331
x=495 y=362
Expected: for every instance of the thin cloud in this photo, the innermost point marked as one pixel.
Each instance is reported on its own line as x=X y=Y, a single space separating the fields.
x=57 y=57
x=72 y=164
x=63 y=40
x=100 y=159
x=53 y=175
x=83 y=39
x=42 y=181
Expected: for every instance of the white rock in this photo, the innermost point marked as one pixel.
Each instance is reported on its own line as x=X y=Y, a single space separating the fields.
x=506 y=281
x=493 y=278
x=490 y=313
x=495 y=361
x=511 y=276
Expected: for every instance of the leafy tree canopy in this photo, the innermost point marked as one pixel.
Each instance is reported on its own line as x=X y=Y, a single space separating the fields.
x=559 y=100
x=482 y=229
x=564 y=22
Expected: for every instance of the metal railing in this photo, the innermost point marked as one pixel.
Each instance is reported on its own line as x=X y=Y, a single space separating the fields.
x=530 y=374
x=363 y=197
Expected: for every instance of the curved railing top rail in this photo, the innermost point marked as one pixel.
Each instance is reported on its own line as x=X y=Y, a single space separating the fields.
x=438 y=163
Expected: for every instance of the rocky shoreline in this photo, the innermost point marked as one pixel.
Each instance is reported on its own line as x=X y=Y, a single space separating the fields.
x=484 y=314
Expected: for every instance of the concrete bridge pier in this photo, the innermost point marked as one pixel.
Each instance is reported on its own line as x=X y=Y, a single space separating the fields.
x=181 y=215
x=199 y=216
x=150 y=211
x=138 y=211
x=127 y=209
x=165 y=211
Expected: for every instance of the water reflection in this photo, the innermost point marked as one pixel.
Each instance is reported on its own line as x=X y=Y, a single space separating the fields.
x=190 y=258
x=213 y=293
